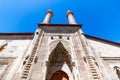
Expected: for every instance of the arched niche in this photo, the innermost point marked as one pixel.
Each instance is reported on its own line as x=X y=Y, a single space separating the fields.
x=58 y=58
x=52 y=45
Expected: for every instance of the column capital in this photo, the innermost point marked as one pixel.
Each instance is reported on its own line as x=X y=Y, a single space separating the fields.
x=49 y=11
x=69 y=12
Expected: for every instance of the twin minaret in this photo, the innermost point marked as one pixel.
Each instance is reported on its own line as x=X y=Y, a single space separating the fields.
x=49 y=15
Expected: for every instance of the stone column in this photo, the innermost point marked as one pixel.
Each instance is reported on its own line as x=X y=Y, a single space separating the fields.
x=48 y=17
x=70 y=17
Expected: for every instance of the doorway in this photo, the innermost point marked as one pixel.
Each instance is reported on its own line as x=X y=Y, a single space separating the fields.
x=59 y=75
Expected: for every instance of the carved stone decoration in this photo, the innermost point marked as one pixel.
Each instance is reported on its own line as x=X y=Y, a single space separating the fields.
x=2 y=46
x=59 y=54
x=4 y=66
x=117 y=71
x=58 y=57
x=36 y=59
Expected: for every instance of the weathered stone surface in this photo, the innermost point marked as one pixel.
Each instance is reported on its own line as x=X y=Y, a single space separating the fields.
x=52 y=52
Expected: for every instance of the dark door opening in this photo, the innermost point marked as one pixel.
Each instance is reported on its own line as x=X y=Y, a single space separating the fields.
x=59 y=75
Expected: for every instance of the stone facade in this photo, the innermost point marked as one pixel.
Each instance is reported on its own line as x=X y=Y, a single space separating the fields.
x=58 y=52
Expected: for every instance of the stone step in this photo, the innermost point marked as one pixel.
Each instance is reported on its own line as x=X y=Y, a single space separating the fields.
x=93 y=71
x=31 y=59
x=25 y=74
x=96 y=78
x=26 y=71
x=34 y=51
x=90 y=62
x=32 y=56
x=26 y=68
x=89 y=58
x=92 y=67
x=28 y=63
x=95 y=74
x=24 y=77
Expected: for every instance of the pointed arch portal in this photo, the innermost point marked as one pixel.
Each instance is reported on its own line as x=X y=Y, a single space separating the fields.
x=59 y=61
x=59 y=55
x=59 y=75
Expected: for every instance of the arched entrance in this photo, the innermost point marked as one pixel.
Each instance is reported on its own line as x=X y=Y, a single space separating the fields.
x=59 y=75
x=59 y=60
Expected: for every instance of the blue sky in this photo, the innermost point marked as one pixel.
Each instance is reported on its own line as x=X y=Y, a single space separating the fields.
x=100 y=18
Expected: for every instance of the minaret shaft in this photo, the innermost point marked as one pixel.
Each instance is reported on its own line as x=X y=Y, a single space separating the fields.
x=48 y=17
x=70 y=17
